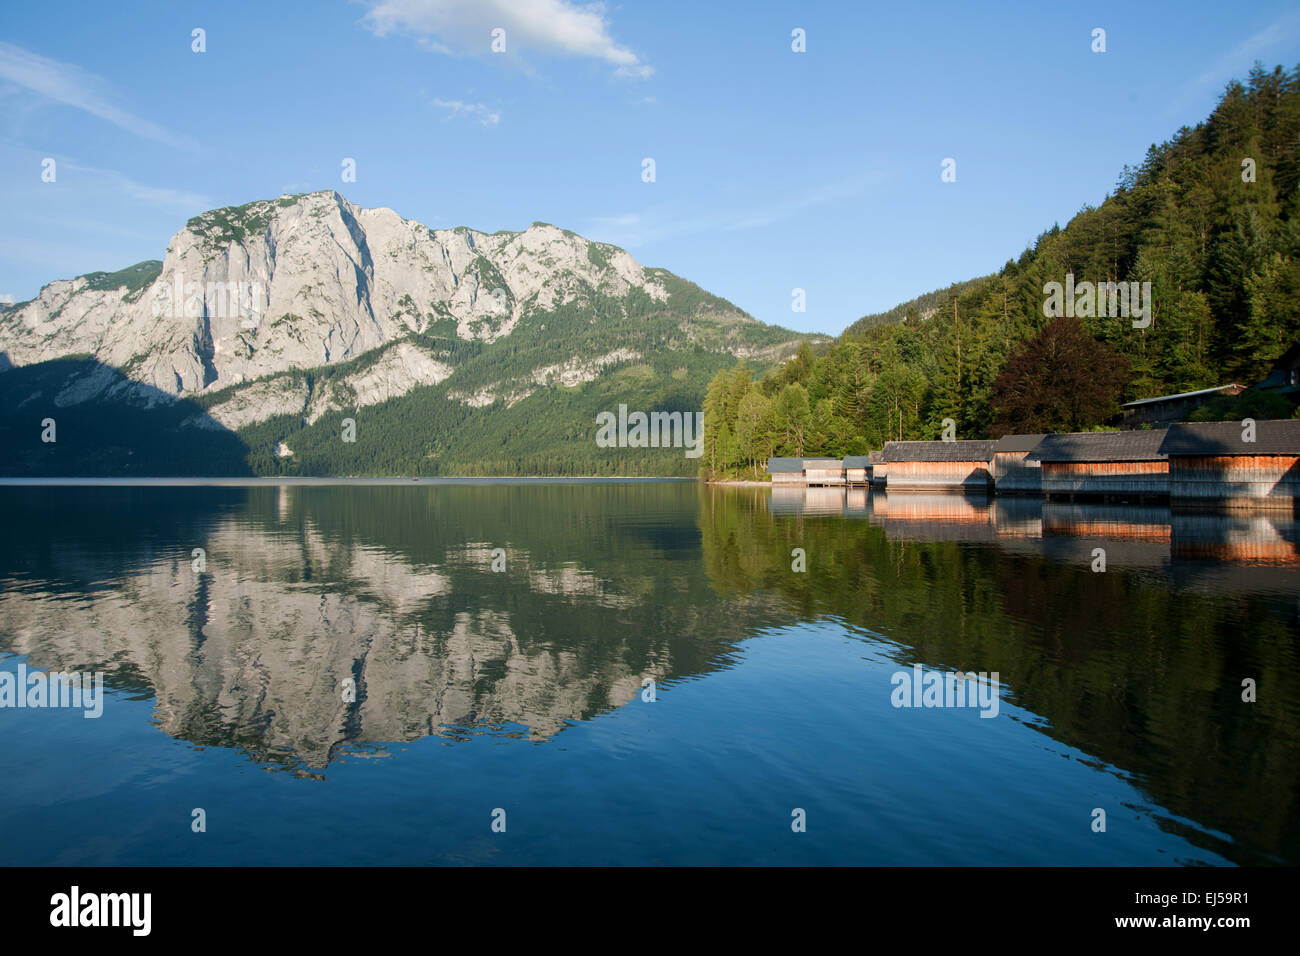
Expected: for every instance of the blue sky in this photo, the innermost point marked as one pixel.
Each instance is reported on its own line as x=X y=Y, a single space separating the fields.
x=774 y=170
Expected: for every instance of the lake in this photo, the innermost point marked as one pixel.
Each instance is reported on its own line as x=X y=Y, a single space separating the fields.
x=640 y=673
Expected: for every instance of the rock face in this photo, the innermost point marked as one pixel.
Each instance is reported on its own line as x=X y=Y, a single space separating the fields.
x=302 y=282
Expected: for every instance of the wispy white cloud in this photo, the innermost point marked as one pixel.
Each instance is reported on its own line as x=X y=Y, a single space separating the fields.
x=640 y=71
x=475 y=111
x=791 y=205
x=163 y=197
x=72 y=86
x=1239 y=59
x=668 y=220
x=548 y=27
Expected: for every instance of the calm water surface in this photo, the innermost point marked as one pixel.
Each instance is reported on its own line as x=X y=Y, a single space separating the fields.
x=522 y=689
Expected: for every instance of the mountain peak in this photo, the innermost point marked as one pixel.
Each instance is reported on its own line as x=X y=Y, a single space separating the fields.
x=251 y=293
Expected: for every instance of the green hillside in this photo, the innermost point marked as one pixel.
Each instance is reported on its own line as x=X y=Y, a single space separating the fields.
x=914 y=310
x=1211 y=218
x=678 y=346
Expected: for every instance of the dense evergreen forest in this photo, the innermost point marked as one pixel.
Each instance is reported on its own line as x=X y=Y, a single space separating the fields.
x=1210 y=218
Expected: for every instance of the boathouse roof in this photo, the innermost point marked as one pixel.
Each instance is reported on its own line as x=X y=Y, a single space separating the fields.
x=1230 y=389
x=1011 y=443
x=785 y=466
x=875 y=457
x=1225 y=439
x=856 y=461
x=938 y=451
x=1138 y=445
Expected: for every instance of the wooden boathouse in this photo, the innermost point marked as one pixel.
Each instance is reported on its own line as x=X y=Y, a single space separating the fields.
x=877 y=470
x=1012 y=473
x=1121 y=465
x=823 y=471
x=938 y=465
x=1162 y=410
x=856 y=470
x=1213 y=462
x=785 y=471
x=806 y=471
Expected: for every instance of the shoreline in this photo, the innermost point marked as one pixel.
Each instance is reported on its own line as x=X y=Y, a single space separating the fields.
x=254 y=481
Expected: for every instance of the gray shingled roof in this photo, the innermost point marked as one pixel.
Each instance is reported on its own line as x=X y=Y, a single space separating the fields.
x=1224 y=438
x=822 y=463
x=856 y=461
x=785 y=466
x=1018 y=442
x=938 y=451
x=1139 y=445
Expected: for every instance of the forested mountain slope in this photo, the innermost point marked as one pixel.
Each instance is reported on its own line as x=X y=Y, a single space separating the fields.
x=1210 y=218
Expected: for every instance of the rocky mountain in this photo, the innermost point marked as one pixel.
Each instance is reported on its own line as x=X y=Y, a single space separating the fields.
x=266 y=319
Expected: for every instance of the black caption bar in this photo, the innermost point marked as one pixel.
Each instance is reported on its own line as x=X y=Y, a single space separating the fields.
x=140 y=905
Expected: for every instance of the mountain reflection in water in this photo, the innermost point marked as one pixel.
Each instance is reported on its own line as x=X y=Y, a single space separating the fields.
x=609 y=585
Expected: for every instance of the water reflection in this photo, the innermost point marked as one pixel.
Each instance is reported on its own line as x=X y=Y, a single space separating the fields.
x=605 y=586
x=303 y=588
x=1180 y=543
x=1141 y=666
